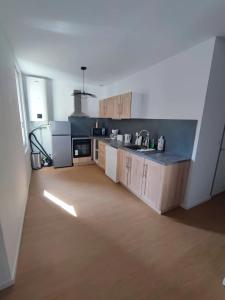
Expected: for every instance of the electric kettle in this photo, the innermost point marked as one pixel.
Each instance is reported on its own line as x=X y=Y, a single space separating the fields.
x=127 y=138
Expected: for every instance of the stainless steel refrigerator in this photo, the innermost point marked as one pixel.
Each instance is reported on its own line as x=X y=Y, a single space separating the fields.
x=61 y=144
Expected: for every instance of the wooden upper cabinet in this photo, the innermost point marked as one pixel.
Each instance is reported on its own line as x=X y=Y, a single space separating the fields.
x=116 y=107
x=125 y=100
x=102 y=108
x=109 y=107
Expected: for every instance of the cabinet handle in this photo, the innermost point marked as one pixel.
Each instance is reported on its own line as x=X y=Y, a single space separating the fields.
x=130 y=165
x=146 y=170
x=127 y=164
x=143 y=174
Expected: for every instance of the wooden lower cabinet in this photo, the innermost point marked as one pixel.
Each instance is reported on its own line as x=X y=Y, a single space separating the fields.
x=152 y=184
x=136 y=174
x=124 y=167
x=161 y=187
x=101 y=155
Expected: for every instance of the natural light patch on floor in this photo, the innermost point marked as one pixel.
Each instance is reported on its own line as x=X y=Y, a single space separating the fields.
x=68 y=208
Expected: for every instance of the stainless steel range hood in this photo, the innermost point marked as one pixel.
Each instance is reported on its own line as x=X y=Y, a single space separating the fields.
x=77 y=106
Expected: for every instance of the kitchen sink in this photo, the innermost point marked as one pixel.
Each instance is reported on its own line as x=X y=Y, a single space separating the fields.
x=146 y=150
x=133 y=147
x=139 y=148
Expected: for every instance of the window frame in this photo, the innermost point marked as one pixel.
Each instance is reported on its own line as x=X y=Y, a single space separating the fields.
x=21 y=105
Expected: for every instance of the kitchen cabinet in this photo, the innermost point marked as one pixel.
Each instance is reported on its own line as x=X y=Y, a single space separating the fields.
x=106 y=108
x=101 y=155
x=111 y=162
x=152 y=184
x=161 y=187
x=116 y=107
x=102 y=110
x=109 y=104
x=136 y=174
x=125 y=103
x=122 y=106
x=124 y=167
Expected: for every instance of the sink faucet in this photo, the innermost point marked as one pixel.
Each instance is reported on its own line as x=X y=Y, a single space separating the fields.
x=146 y=135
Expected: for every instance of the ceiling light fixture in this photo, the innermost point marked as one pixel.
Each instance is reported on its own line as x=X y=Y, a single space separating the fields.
x=83 y=93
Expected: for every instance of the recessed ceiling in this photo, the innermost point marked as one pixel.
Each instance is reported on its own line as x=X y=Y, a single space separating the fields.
x=112 y=38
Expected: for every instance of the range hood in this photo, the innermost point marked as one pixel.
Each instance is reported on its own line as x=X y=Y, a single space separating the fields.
x=77 y=105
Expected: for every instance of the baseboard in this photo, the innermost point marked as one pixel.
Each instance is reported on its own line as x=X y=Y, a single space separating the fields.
x=13 y=274
x=7 y=284
x=11 y=282
x=186 y=206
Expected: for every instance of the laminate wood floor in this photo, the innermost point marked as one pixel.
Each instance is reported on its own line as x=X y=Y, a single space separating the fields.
x=116 y=247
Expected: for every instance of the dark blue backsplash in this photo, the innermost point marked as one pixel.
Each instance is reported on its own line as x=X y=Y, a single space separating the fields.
x=179 y=134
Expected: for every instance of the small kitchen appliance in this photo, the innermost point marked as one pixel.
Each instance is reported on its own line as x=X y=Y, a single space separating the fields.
x=127 y=138
x=119 y=137
x=99 y=131
x=113 y=135
x=81 y=147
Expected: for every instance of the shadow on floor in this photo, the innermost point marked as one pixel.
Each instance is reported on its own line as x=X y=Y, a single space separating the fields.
x=209 y=216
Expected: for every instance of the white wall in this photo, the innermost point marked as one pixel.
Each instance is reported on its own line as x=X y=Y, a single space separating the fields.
x=211 y=131
x=63 y=101
x=176 y=89
x=14 y=166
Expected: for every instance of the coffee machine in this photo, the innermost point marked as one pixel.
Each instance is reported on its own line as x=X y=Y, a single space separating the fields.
x=113 y=135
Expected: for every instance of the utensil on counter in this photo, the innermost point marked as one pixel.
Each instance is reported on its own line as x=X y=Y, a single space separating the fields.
x=127 y=138
x=120 y=138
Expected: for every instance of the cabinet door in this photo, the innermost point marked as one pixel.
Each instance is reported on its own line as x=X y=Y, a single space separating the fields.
x=125 y=106
x=136 y=174
x=101 y=155
x=109 y=107
x=123 y=167
x=152 y=184
x=117 y=107
x=101 y=108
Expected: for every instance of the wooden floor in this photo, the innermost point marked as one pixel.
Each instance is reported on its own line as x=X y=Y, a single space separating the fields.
x=116 y=247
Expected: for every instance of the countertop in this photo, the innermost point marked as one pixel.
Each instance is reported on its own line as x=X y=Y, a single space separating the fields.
x=163 y=158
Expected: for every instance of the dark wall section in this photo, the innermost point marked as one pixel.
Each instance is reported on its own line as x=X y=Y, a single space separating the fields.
x=179 y=134
x=81 y=126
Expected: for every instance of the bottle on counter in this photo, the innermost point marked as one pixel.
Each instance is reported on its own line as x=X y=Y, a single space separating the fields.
x=161 y=143
x=152 y=144
x=136 y=139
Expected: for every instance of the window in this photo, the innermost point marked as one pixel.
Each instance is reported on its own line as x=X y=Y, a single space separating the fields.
x=22 y=112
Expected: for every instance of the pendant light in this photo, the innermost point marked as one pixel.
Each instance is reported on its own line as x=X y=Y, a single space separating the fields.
x=83 y=93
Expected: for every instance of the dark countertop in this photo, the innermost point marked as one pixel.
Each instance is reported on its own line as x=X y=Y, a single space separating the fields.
x=163 y=158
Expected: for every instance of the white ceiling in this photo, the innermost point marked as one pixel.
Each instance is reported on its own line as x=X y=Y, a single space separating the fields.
x=113 y=39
